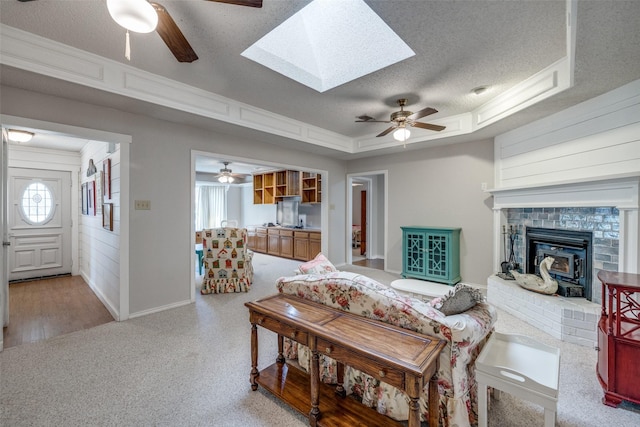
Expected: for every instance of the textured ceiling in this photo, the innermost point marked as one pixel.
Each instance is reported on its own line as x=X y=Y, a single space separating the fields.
x=459 y=45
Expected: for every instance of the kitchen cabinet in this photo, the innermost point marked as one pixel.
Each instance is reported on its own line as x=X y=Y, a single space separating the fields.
x=303 y=245
x=272 y=187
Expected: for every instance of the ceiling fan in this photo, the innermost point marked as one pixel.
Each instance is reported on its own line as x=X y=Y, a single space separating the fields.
x=226 y=175
x=166 y=26
x=403 y=118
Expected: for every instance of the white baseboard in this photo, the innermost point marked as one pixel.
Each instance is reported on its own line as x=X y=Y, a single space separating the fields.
x=158 y=309
x=105 y=301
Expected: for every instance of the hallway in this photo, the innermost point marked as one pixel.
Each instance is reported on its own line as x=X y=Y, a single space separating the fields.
x=43 y=309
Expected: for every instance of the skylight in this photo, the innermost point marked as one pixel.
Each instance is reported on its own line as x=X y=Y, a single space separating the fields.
x=329 y=43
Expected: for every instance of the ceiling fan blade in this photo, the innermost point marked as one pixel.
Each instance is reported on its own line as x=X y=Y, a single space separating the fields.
x=250 y=3
x=372 y=121
x=172 y=36
x=422 y=113
x=429 y=126
x=386 y=131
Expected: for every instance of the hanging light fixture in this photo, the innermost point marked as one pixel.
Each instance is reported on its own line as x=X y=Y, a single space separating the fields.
x=225 y=174
x=401 y=134
x=138 y=16
x=134 y=15
x=16 y=135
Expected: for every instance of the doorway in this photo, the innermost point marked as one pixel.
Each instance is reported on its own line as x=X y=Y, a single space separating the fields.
x=367 y=212
x=43 y=153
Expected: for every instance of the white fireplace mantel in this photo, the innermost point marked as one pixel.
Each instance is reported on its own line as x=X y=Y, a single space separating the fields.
x=622 y=193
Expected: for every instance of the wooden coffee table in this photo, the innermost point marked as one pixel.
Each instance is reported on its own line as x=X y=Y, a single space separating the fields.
x=399 y=357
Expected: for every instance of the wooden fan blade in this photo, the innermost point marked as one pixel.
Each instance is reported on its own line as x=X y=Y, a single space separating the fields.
x=429 y=126
x=386 y=131
x=172 y=36
x=422 y=113
x=250 y=3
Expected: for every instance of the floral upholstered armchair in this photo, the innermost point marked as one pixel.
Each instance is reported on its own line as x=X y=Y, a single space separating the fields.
x=226 y=260
x=465 y=334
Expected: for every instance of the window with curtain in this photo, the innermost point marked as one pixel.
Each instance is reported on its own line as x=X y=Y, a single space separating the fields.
x=211 y=206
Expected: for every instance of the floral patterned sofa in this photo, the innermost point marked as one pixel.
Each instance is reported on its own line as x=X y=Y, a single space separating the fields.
x=464 y=333
x=226 y=260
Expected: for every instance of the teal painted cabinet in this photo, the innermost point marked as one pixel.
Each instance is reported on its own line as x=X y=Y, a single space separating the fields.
x=431 y=253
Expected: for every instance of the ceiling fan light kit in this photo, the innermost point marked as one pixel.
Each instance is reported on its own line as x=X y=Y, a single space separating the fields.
x=401 y=119
x=401 y=134
x=134 y=15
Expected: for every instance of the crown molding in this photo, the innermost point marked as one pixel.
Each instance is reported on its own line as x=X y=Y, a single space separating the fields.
x=37 y=54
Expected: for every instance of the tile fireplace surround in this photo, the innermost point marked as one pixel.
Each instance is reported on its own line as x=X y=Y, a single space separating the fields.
x=608 y=208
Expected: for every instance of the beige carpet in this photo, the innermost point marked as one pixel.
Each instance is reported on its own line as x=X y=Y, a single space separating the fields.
x=190 y=367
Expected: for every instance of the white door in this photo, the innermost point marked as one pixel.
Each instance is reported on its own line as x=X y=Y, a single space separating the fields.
x=39 y=223
x=4 y=257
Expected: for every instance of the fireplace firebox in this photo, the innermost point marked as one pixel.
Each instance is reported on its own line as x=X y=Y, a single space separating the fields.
x=572 y=254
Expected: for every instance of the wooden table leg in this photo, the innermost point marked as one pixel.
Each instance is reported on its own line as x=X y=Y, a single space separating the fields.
x=280 y=358
x=340 y=391
x=434 y=401
x=412 y=388
x=314 y=414
x=254 y=357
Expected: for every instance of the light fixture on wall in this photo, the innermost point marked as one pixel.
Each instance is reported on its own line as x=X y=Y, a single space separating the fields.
x=91 y=170
x=402 y=133
x=16 y=135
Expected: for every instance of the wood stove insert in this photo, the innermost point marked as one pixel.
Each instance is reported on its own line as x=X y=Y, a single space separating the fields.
x=572 y=252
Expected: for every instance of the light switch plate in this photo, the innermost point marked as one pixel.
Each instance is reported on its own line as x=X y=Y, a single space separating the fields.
x=142 y=205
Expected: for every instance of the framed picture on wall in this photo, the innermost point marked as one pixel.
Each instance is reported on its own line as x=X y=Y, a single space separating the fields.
x=91 y=196
x=106 y=179
x=107 y=216
x=85 y=199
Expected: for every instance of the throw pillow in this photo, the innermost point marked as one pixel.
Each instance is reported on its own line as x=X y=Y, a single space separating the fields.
x=319 y=265
x=460 y=299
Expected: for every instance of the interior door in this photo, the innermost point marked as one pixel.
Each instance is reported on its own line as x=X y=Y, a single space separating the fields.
x=39 y=221
x=363 y=222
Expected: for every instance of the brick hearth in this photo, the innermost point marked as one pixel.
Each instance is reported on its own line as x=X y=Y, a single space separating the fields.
x=568 y=319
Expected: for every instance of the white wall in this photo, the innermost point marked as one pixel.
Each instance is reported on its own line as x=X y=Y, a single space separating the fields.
x=255 y=214
x=598 y=138
x=379 y=220
x=234 y=203
x=160 y=171
x=100 y=248
x=440 y=186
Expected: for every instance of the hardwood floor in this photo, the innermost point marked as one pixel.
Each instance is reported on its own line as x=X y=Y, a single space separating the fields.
x=43 y=309
x=377 y=263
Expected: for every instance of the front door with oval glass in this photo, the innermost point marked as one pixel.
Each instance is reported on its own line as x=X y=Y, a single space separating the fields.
x=39 y=223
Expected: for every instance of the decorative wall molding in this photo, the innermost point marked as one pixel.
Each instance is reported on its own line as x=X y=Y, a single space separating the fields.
x=623 y=193
x=36 y=54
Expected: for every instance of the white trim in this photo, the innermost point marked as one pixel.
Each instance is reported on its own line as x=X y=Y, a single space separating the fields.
x=349 y=213
x=98 y=293
x=27 y=51
x=159 y=309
